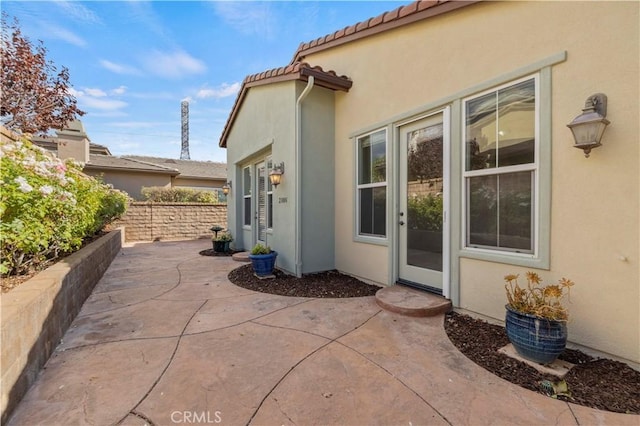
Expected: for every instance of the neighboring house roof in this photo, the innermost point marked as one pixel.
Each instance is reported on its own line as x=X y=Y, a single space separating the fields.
x=51 y=144
x=296 y=71
x=403 y=15
x=110 y=162
x=188 y=168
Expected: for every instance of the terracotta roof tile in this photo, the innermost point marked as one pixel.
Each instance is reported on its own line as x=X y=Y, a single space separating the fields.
x=294 y=71
x=399 y=16
x=408 y=9
x=426 y=4
x=391 y=15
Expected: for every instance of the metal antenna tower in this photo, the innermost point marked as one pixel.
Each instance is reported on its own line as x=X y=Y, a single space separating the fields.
x=184 y=107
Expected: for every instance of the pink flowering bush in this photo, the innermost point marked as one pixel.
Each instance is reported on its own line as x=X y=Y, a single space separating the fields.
x=48 y=206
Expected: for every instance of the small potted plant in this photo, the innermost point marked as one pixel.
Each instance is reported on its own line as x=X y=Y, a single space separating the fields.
x=263 y=260
x=536 y=321
x=221 y=242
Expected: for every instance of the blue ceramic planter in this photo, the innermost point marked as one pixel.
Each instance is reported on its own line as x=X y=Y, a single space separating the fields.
x=537 y=339
x=263 y=264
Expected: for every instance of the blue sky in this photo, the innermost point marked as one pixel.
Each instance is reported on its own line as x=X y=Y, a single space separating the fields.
x=133 y=62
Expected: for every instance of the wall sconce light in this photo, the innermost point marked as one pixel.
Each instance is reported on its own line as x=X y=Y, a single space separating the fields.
x=588 y=127
x=226 y=188
x=275 y=176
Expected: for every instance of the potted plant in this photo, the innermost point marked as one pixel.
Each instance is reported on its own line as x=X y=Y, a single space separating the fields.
x=263 y=260
x=221 y=242
x=536 y=321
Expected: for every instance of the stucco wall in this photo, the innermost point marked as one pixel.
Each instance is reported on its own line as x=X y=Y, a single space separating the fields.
x=167 y=221
x=198 y=183
x=595 y=210
x=131 y=183
x=317 y=180
x=265 y=125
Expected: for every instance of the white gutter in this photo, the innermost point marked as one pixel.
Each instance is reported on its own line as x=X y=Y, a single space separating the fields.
x=298 y=227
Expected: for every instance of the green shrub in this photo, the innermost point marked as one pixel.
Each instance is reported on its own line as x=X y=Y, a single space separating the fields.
x=260 y=249
x=159 y=194
x=425 y=212
x=48 y=206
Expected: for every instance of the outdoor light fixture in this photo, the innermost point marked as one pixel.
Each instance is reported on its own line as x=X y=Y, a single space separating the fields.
x=226 y=188
x=275 y=176
x=588 y=127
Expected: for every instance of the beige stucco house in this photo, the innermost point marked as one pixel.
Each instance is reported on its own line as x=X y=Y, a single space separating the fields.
x=429 y=146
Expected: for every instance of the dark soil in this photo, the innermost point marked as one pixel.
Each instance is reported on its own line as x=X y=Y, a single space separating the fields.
x=593 y=382
x=211 y=252
x=7 y=283
x=331 y=284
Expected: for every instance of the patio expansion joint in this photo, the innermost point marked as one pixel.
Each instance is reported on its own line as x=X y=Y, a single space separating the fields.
x=247 y=320
x=155 y=383
x=399 y=380
x=572 y=413
x=318 y=349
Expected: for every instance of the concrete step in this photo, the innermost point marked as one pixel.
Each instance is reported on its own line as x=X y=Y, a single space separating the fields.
x=242 y=256
x=411 y=302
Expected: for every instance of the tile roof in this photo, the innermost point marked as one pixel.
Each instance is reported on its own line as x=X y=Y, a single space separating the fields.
x=402 y=15
x=97 y=161
x=295 y=71
x=187 y=168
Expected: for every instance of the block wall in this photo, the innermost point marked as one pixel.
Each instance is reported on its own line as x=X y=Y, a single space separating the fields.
x=146 y=221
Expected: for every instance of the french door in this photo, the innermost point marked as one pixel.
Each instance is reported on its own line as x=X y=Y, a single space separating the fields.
x=261 y=203
x=423 y=191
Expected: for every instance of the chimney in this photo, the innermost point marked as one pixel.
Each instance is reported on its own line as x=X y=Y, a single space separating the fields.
x=73 y=142
x=184 y=154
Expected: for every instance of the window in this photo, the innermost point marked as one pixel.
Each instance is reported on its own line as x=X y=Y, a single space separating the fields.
x=269 y=195
x=501 y=168
x=246 y=194
x=372 y=184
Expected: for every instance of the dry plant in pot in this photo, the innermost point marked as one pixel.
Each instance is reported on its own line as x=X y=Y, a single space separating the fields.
x=536 y=320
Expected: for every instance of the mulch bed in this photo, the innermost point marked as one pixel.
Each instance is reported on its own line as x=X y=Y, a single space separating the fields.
x=211 y=252
x=330 y=284
x=593 y=382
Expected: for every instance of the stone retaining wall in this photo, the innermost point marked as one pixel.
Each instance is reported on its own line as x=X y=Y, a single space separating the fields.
x=147 y=221
x=37 y=313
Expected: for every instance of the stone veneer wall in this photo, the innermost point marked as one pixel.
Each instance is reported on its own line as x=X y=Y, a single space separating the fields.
x=37 y=313
x=147 y=221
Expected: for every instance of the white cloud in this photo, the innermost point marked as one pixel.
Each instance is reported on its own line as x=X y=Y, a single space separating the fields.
x=102 y=104
x=96 y=93
x=173 y=64
x=96 y=99
x=119 y=90
x=248 y=18
x=223 y=91
x=78 y=12
x=54 y=31
x=140 y=124
x=119 y=68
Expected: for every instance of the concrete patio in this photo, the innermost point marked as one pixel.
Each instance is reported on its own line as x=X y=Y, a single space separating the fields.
x=166 y=339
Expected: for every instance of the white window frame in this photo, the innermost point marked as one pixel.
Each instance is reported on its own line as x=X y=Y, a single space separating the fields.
x=531 y=167
x=358 y=236
x=269 y=167
x=246 y=182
